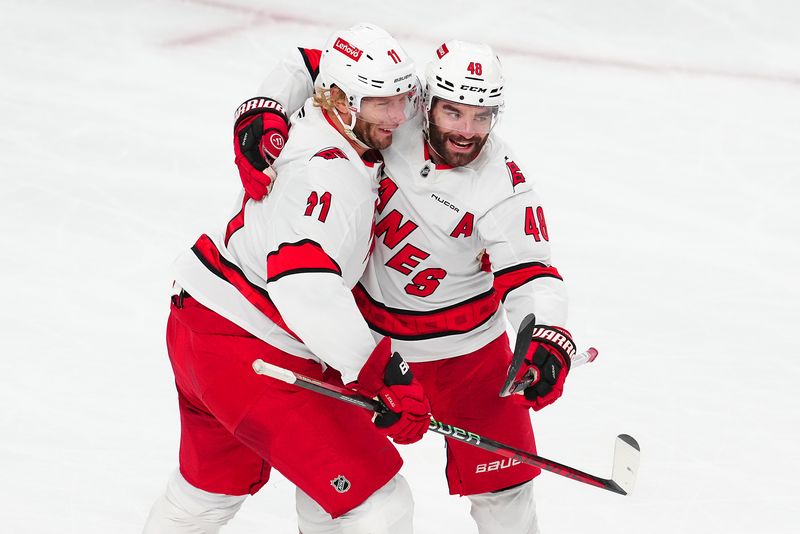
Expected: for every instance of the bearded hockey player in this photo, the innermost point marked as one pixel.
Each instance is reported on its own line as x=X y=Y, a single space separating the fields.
x=275 y=283
x=461 y=237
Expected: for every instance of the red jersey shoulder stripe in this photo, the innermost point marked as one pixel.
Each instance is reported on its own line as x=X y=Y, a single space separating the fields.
x=311 y=57
x=305 y=256
x=207 y=252
x=510 y=278
x=237 y=222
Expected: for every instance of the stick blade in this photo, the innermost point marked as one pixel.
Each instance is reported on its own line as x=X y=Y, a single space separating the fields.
x=520 y=351
x=284 y=375
x=626 y=462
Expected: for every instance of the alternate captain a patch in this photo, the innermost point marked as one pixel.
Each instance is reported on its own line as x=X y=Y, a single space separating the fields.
x=340 y=484
x=330 y=153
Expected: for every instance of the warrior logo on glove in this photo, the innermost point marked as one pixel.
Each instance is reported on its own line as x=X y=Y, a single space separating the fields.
x=557 y=336
x=546 y=366
x=260 y=131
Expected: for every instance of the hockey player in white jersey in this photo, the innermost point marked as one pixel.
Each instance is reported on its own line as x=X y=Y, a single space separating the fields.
x=275 y=283
x=460 y=234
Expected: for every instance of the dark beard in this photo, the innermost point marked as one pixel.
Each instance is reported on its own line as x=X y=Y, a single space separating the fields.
x=438 y=141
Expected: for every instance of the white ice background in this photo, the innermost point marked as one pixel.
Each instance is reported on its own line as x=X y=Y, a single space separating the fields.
x=663 y=136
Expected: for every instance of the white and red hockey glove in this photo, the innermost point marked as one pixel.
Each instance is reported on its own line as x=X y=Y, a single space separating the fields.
x=259 y=133
x=386 y=376
x=547 y=362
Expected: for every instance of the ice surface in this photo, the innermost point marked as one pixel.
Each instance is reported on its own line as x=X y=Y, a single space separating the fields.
x=663 y=136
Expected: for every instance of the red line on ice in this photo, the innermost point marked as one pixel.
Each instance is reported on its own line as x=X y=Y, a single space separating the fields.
x=261 y=15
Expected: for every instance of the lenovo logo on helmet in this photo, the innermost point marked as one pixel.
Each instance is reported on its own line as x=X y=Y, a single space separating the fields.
x=347 y=49
x=441 y=51
x=473 y=89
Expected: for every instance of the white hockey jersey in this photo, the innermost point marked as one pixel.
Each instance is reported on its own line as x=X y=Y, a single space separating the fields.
x=283 y=268
x=452 y=244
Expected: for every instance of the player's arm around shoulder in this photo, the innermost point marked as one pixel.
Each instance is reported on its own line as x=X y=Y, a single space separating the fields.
x=291 y=81
x=261 y=122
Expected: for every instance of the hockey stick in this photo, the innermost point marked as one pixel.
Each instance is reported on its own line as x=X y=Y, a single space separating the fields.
x=510 y=386
x=626 y=450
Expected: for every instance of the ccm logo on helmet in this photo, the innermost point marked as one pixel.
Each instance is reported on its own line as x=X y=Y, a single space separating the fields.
x=347 y=49
x=473 y=89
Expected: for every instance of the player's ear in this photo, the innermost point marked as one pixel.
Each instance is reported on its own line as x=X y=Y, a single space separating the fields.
x=339 y=101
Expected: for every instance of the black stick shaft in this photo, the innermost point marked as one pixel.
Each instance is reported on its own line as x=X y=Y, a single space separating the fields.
x=453 y=432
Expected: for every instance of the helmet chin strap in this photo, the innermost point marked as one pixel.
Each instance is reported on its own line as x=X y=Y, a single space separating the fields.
x=426 y=131
x=348 y=129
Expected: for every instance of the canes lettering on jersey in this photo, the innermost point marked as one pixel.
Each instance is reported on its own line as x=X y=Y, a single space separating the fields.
x=394 y=228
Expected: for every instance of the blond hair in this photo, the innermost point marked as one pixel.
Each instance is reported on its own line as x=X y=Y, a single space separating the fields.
x=323 y=98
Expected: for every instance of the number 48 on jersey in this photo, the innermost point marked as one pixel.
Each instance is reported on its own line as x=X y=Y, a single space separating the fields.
x=534 y=224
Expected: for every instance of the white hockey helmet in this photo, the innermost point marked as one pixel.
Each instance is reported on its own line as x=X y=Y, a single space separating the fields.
x=465 y=73
x=365 y=61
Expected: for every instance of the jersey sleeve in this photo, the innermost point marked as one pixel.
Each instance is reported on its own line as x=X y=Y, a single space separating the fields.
x=518 y=245
x=291 y=82
x=315 y=234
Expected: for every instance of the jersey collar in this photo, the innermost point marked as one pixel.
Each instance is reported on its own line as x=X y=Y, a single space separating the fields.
x=427 y=155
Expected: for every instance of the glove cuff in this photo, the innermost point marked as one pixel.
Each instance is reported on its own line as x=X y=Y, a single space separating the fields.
x=257 y=105
x=371 y=376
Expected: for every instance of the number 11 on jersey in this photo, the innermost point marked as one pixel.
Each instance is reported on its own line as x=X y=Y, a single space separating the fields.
x=314 y=200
